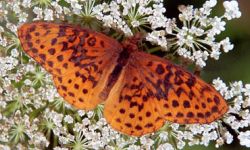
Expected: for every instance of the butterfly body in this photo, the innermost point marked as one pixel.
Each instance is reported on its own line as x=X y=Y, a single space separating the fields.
x=139 y=91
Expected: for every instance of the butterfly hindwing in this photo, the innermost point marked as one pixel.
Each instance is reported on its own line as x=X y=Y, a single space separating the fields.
x=79 y=59
x=181 y=97
x=155 y=90
x=130 y=107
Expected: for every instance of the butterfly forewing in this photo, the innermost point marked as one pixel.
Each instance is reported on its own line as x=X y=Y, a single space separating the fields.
x=79 y=60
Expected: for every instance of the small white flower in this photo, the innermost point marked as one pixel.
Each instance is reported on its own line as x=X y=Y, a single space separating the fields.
x=200 y=57
x=29 y=68
x=12 y=27
x=90 y=114
x=76 y=7
x=26 y=3
x=218 y=25
x=66 y=11
x=135 y=23
x=108 y=21
x=215 y=54
x=86 y=121
x=237 y=87
x=48 y=14
x=39 y=139
x=133 y=147
x=244 y=138
x=165 y=146
x=227 y=46
x=39 y=12
x=180 y=144
x=210 y=3
x=59 y=148
x=175 y=126
x=220 y=86
x=14 y=52
x=55 y=117
x=170 y=25
x=7 y=63
x=57 y=7
x=1 y=29
x=219 y=142
x=232 y=9
x=22 y=16
x=63 y=140
x=157 y=37
x=196 y=31
x=81 y=113
x=3 y=41
x=246 y=102
x=5 y=147
x=16 y=8
x=186 y=13
x=68 y=119
x=228 y=137
x=147 y=142
x=27 y=82
x=163 y=136
x=247 y=90
x=184 y=52
x=157 y=20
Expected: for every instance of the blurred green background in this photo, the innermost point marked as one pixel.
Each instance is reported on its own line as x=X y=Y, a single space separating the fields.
x=232 y=66
x=235 y=65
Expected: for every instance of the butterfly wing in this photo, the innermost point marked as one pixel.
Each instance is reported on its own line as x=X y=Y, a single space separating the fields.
x=130 y=107
x=148 y=91
x=79 y=59
x=155 y=90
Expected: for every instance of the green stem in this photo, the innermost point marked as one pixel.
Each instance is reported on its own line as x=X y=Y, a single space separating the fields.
x=155 y=49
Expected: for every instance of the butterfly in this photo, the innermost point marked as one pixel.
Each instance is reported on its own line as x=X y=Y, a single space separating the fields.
x=140 y=91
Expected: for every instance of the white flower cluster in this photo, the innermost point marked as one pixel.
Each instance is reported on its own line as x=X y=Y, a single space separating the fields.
x=126 y=15
x=34 y=112
x=232 y=10
x=7 y=64
x=238 y=117
x=113 y=17
x=195 y=40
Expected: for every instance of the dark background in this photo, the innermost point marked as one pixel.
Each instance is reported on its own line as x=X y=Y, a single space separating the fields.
x=232 y=66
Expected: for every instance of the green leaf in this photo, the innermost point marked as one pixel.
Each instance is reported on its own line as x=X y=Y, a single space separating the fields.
x=17 y=84
x=10 y=109
x=37 y=112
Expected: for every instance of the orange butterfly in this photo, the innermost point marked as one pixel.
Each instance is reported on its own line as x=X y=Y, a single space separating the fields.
x=140 y=91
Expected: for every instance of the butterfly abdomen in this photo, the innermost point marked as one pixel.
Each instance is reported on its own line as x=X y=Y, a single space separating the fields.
x=122 y=61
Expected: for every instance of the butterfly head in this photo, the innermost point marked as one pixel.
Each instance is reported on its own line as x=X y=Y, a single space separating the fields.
x=131 y=43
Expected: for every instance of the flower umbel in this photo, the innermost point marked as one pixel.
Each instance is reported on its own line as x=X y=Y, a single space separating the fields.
x=34 y=116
